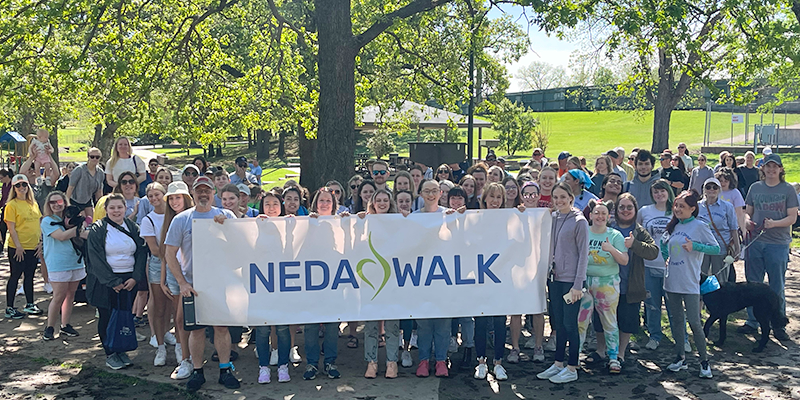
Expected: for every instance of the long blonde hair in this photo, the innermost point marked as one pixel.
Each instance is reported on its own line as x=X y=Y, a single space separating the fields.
x=28 y=195
x=115 y=153
x=169 y=215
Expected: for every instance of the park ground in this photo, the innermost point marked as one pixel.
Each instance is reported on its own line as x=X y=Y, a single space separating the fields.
x=73 y=368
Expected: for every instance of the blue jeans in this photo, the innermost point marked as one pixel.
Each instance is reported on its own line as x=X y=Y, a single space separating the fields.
x=467 y=330
x=770 y=260
x=263 y=347
x=481 y=331
x=654 y=284
x=407 y=325
x=329 y=343
x=434 y=332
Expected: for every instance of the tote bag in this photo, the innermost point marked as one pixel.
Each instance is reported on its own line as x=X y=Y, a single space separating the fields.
x=121 y=331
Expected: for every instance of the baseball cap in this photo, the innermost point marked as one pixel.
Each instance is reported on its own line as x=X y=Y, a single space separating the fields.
x=190 y=166
x=612 y=153
x=240 y=160
x=501 y=160
x=666 y=152
x=767 y=151
x=19 y=178
x=564 y=155
x=712 y=180
x=539 y=150
x=176 y=188
x=772 y=157
x=243 y=188
x=203 y=180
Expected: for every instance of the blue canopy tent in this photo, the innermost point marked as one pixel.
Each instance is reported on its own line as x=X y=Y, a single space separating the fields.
x=7 y=140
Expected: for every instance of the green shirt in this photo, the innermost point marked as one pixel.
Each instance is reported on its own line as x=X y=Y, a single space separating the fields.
x=601 y=263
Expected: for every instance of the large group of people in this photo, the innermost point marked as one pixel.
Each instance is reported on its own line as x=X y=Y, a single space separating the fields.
x=623 y=234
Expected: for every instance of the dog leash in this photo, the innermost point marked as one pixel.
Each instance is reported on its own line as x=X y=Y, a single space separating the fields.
x=728 y=260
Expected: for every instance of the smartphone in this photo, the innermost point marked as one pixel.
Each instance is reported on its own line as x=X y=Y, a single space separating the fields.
x=188 y=311
x=567 y=299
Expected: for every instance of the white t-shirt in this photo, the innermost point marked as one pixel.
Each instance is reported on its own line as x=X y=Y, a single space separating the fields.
x=126 y=164
x=120 y=250
x=151 y=226
x=655 y=223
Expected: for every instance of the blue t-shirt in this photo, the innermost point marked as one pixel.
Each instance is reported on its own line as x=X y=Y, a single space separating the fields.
x=180 y=234
x=59 y=255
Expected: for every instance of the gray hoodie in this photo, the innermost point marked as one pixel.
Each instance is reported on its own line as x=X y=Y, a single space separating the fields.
x=569 y=248
x=641 y=190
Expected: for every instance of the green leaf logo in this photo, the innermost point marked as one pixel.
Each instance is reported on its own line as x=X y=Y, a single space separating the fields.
x=387 y=271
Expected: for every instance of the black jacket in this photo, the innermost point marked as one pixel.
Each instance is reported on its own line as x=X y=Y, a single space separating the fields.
x=99 y=276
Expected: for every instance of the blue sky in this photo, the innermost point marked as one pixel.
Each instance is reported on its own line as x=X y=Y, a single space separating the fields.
x=542 y=47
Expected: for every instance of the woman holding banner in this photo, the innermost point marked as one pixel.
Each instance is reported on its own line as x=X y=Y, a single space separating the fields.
x=176 y=200
x=570 y=251
x=494 y=197
x=381 y=203
x=324 y=203
x=530 y=199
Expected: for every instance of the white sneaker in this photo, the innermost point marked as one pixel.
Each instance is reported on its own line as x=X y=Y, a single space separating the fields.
x=294 y=355
x=153 y=341
x=705 y=370
x=453 y=347
x=652 y=344
x=161 y=357
x=550 y=372
x=678 y=365
x=140 y=337
x=48 y=288
x=169 y=338
x=687 y=348
x=264 y=375
x=183 y=370
x=500 y=372
x=481 y=371
x=273 y=357
x=413 y=341
x=405 y=359
x=565 y=376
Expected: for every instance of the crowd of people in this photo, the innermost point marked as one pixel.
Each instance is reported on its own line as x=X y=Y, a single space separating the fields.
x=625 y=233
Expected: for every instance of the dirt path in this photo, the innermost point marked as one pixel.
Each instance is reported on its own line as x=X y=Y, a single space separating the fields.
x=74 y=369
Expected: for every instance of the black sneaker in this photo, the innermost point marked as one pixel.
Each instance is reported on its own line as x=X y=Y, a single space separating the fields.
x=69 y=331
x=196 y=380
x=747 y=330
x=32 y=309
x=49 y=333
x=13 y=313
x=780 y=334
x=227 y=379
x=139 y=322
x=332 y=371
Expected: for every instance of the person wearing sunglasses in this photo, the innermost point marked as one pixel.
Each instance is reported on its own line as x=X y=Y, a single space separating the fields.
x=123 y=160
x=700 y=173
x=241 y=174
x=86 y=183
x=24 y=247
x=380 y=174
x=128 y=188
x=721 y=218
x=353 y=184
x=189 y=174
x=444 y=173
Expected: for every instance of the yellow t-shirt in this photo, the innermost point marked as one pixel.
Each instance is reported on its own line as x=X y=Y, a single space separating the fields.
x=26 y=218
x=100 y=209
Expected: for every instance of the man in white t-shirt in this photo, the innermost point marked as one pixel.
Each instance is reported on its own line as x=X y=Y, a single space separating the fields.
x=179 y=236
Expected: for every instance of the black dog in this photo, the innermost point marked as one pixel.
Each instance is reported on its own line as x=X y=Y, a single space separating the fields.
x=733 y=297
x=73 y=217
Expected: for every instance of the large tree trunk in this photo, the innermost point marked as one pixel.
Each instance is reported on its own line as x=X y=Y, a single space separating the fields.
x=262 y=144
x=796 y=9
x=307 y=148
x=54 y=143
x=281 y=144
x=662 y=115
x=334 y=158
x=104 y=138
x=669 y=94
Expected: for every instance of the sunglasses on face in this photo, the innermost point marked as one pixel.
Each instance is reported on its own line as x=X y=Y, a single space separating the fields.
x=190 y=173
x=353 y=187
x=442 y=171
x=379 y=172
x=94 y=157
x=337 y=191
x=21 y=185
x=712 y=187
x=56 y=202
x=128 y=181
x=537 y=154
x=626 y=208
x=681 y=147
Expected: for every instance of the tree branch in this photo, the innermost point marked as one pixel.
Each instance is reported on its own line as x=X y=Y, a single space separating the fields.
x=383 y=23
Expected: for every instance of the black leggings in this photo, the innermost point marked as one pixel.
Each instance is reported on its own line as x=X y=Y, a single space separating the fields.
x=564 y=319
x=105 y=313
x=28 y=267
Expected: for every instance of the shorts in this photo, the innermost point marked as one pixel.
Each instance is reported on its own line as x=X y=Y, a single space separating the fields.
x=628 y=315
x=82 y=206
x=154 y=276
x=73 y=275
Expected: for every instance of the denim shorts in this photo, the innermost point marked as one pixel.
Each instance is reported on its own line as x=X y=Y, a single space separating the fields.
x=154 y=275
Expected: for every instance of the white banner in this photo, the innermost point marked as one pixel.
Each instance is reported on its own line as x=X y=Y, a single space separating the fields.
x=303 y=270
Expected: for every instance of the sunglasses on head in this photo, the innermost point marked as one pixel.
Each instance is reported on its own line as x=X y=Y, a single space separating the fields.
x=20 y=184
x=128 y=181
x=379 y=172
x=94 y=157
